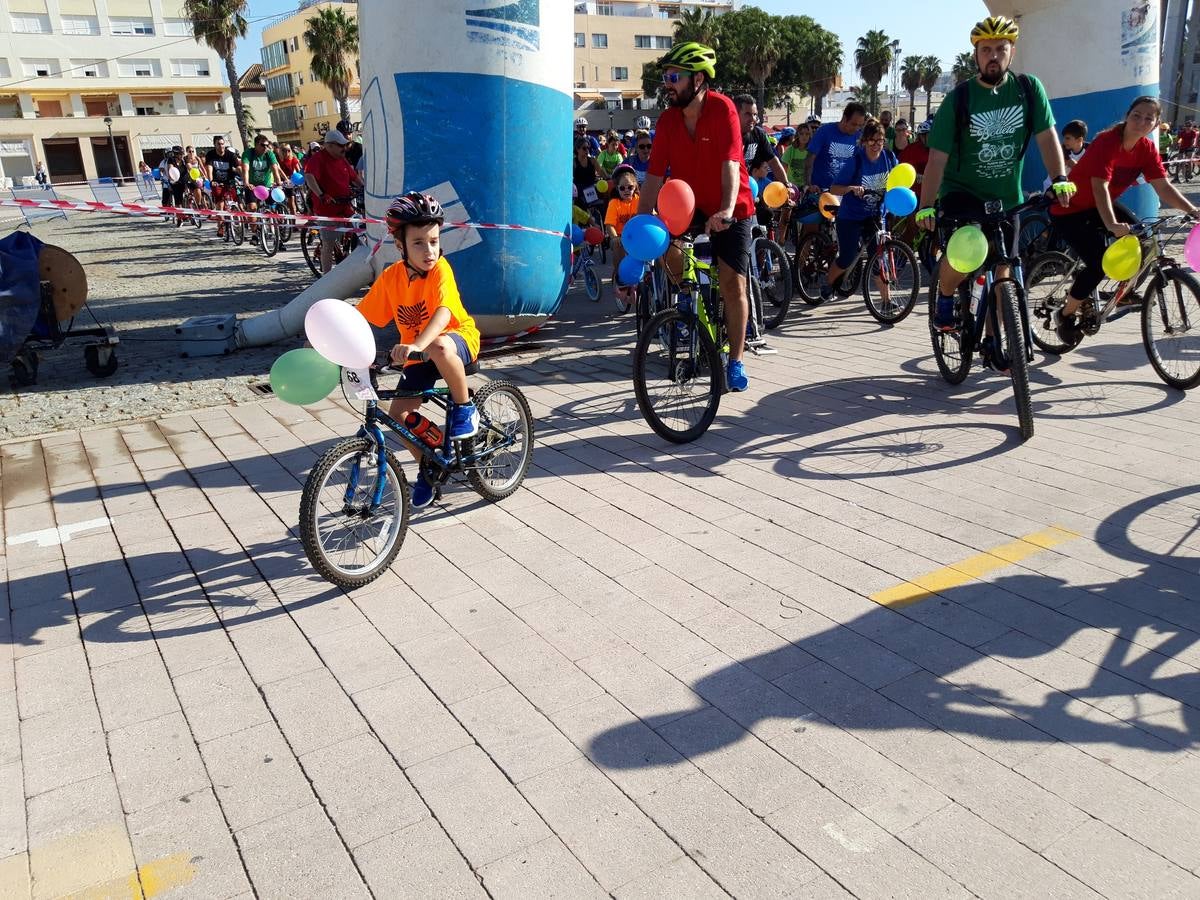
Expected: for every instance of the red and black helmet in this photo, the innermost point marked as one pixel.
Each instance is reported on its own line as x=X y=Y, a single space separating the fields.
x=414 y=208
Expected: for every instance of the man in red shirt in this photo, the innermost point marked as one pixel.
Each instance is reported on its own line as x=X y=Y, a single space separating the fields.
x=699 y=139
x=328 y=177
x=916 y=154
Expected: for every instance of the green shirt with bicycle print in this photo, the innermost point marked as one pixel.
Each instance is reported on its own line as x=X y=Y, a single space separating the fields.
x=984 y=158
x=262 y=167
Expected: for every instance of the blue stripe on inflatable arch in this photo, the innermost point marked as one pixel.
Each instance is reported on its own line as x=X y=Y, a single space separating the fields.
x=496 y=140
x=1100 y=110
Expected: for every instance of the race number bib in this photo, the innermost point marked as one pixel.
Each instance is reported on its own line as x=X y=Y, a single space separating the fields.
x=357 y=384
x=590 y=195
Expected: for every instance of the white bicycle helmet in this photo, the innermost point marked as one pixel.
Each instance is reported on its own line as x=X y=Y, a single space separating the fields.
x=642 y=122
x=581 y=122
x=925 y=127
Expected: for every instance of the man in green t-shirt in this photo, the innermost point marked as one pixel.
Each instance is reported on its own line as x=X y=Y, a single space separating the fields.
x=259 y=167
x=983 y=161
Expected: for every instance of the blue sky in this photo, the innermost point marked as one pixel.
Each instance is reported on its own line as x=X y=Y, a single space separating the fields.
x=933 y=26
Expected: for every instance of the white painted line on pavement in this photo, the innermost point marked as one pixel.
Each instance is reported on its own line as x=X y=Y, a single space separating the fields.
x=50 y=537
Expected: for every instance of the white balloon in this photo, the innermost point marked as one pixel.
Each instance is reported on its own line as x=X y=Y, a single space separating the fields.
x=172 y=174
x=339 y=333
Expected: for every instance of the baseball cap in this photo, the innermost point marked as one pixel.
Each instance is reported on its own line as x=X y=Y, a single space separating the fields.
x=333 y=136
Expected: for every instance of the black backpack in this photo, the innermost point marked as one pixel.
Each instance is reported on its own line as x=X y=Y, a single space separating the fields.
x=962 y=114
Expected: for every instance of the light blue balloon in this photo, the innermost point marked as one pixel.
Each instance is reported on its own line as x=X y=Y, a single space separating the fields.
x=645 y=237
x=900 y=201
x=278 y=195
x=754 y=188
x=631 y=270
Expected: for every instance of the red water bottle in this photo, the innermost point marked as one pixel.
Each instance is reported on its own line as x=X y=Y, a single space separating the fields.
x=424 y=429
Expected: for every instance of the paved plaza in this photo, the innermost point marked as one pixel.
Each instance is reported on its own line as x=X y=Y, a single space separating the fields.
x=858 y=640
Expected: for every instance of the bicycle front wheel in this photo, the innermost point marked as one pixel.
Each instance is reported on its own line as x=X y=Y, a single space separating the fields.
x=268 y=238
x=591 y=283
x=892 y=282
x=348 y=539
x=504 y=442
x=238 y=227
x=677 y=376
x=1014 y=354
x=774 y=280
x=1047 y=286
x=1171 y=328
x=310 y=246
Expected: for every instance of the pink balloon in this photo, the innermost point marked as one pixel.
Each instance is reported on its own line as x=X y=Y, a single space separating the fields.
x=1191 y=248
x=261 y=191
x=339 y=333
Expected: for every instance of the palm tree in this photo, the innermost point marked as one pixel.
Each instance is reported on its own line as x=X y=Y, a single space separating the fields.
x=910 y=80
x=872 y=58
x=824 y=63
x=332 y=39
x=762 y=53
x=931 y=71
x=964 y=67
x=700 y=25
x=219 y=24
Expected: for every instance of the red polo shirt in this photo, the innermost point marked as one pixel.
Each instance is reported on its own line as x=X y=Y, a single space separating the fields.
x=698 y=159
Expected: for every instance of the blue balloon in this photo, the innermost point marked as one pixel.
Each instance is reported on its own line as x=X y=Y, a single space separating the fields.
x=297 y=178
x=576 y=235
x=645 y=237
x=900 y=201
x=754 y=188
x=207 y=185
x=631 y=269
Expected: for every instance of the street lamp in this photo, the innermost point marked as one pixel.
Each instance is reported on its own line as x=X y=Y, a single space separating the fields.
x=112 y=143
x=787 y=105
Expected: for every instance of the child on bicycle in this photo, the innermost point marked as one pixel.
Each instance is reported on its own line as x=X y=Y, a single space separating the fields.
x=623 y=207
x=420 y=295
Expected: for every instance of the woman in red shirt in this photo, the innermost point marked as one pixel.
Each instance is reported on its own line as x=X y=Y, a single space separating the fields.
x=1112 y=163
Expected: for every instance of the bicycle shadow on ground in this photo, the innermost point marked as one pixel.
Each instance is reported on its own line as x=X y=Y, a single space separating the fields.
x=934 y=664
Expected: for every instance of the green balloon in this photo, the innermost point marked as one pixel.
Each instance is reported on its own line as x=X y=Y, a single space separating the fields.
x=304 y=376
x=967 y=249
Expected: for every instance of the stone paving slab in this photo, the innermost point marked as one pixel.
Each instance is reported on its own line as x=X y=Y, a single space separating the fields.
x=654 y=671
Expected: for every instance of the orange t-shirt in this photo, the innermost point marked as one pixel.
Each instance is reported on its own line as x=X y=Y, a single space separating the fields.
x=411 y=302
x=621 y=211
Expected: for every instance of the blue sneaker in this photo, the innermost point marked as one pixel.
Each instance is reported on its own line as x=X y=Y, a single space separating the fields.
x=422 y=492
x=735 y=374
x=464 y=421
x=945 y=317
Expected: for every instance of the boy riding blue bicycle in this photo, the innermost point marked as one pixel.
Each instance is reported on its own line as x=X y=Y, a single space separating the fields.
x=420 y=295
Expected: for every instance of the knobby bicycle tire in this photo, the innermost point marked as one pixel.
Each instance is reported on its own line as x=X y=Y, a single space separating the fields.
x=662 y=330
x=1044 y=278
x=476 y=473
x=1167 y=296
x=1014 y=347
x=810 y=264
x=952 y=350
x=774 y=281
x=310 y=498
x=902 y=260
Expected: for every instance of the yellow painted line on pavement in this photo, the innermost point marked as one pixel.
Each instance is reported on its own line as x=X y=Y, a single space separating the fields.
x=972 y=568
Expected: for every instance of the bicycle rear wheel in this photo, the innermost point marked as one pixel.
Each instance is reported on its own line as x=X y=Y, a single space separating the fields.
x=894 y=265
x=811 y=264
x=591 y=282
x=1013 y=353
x=505 y=440
x=677 y=376
x=953 y=349
x=1047 y=286
x=347 y=541
x=1171 y=328
x=774 y=280
x=310 y=246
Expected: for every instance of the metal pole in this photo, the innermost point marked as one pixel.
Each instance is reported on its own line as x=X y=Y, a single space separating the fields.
x=112 y=143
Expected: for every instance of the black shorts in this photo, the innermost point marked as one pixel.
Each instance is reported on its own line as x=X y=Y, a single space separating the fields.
x=960 y=208
x=731 y=246
x=423 y=376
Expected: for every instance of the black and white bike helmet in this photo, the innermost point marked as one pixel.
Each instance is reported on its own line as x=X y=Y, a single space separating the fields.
x=414 y=208
x=925 y=127
x=581 y=122
x=643 y=122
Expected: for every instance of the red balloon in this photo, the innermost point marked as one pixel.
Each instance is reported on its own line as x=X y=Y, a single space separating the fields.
x=593 y=236
x=676 y=205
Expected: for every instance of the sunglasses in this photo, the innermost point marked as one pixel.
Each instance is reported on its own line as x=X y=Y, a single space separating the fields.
x=626 y=187
x=674 y=77
x=643 y=146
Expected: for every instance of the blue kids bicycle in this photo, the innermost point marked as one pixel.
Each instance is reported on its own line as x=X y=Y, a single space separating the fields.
x=355 y=505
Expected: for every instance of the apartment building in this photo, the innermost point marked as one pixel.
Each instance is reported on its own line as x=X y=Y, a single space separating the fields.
x=613 y=40
x=71 y=69
x=302 y=109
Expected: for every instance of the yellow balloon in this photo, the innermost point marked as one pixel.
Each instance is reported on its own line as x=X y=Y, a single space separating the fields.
x=602 y=186
x=967 y=249
x=775 y=194
x=903 y=175
x=1123 y=258
x=195 y=173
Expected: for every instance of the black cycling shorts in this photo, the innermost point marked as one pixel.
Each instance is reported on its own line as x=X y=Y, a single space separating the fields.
x=731 y=246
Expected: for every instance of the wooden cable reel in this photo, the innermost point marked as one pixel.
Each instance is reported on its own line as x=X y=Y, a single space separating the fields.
x=68 y=281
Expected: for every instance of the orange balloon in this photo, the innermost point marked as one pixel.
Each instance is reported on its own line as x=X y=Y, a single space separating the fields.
x=676 y=205
x=829 y=200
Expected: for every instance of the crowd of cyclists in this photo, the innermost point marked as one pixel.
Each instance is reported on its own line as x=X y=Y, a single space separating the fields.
x=718 y=146
x=324 y=179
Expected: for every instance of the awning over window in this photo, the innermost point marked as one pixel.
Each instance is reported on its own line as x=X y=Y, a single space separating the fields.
x=632 y=94
x=587 y=97
x=160 y=141
x=207 y=140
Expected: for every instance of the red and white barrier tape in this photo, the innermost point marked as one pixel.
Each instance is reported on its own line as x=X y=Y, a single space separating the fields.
x=355 y=224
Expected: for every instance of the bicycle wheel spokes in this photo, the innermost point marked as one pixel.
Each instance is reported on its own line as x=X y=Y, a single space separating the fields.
x=505 y=441
x=676 y=376
x=892 y=282
x=952 y=349
x=1171 y=328
x=1047 y=286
